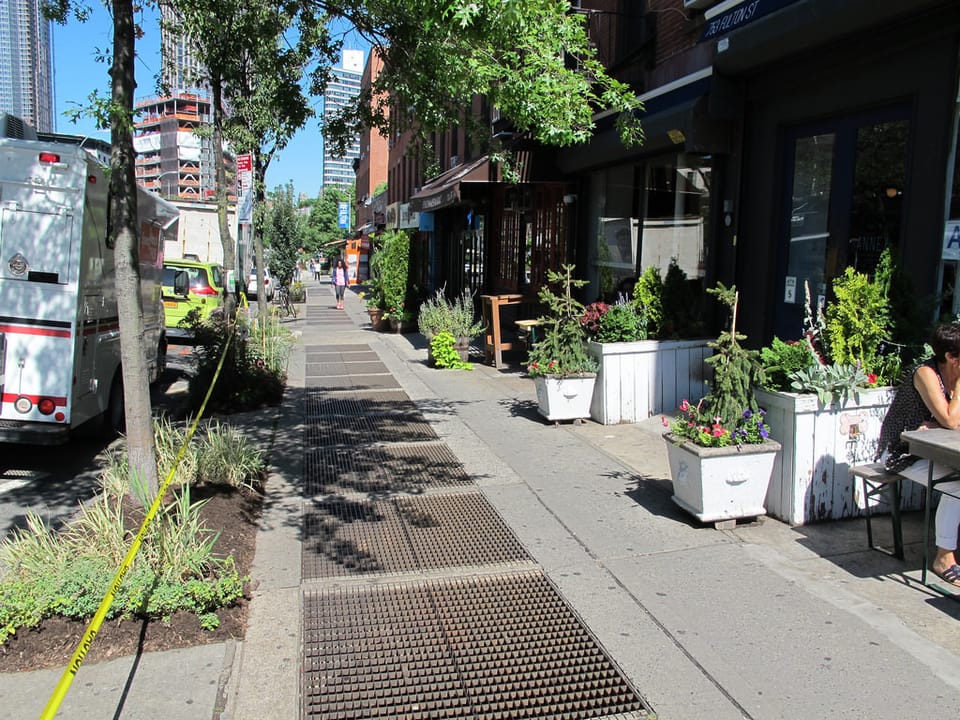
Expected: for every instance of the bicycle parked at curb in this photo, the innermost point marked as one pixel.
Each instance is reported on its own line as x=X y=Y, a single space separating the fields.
x=285 y=307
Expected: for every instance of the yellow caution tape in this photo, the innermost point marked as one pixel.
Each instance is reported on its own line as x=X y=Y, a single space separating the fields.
x=60 y=691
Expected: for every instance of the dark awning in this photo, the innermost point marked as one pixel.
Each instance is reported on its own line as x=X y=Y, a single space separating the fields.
x=444 y=190
x=678 y=120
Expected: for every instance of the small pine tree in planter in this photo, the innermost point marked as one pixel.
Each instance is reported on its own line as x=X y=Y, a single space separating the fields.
x=562 y=369
x=721 y=455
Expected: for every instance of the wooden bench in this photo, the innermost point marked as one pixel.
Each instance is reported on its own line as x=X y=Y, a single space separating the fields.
x=875 y=479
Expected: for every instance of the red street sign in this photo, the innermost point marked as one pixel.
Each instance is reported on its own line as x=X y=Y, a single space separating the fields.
x=245 y=163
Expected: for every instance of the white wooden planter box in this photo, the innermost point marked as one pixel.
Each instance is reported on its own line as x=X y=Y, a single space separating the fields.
x=716 y=484
x=639 y=379
x=811 y=476
x=564 y=398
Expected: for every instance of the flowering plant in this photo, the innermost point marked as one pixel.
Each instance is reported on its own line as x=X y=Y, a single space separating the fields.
x=693 y=423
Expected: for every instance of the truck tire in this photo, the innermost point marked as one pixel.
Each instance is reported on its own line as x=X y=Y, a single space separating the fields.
x=114 y=417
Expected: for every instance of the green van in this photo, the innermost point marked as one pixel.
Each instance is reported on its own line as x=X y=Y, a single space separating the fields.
x=189 y=284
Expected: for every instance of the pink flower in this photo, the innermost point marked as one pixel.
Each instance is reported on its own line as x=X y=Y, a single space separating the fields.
x=684 y=406
x=663 y=421
x=872 y=378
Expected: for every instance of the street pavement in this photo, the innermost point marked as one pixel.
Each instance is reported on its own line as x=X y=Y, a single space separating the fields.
x=760 y=621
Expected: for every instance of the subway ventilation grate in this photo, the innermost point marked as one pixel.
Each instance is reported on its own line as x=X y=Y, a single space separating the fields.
x=495 y=646
x=359 y=430
x=344 y=368
x=321 y=404
x=381 y=469
x=347 y=357
x=346 y=537
x=355 y=347
x=355 y=382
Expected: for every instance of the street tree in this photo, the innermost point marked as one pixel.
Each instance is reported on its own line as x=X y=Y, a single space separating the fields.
x=123 y=234
x=283 y=46
x=323 y=221
x=530 y=59
x=283 y=231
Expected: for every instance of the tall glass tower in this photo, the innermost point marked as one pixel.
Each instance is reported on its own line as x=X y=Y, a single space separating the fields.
x=26 y=70
x=345 y=85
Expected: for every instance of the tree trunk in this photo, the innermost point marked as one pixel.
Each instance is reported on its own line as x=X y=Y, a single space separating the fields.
x=226 y=239
x=123 y=223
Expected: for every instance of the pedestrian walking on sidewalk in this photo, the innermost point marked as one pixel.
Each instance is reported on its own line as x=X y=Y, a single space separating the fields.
x=340 y=282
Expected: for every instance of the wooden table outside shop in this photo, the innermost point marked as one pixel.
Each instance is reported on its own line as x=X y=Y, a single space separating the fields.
x=493 y=344
x=938 y=445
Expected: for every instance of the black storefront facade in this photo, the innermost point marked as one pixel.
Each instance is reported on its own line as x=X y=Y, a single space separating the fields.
x=813 y=134
x=847 y=144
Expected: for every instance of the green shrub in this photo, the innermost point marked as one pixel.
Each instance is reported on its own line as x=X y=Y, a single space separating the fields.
x=781 y=359
x=254 y=370
x=445 y=354
x=648 y=293
x=623 y=322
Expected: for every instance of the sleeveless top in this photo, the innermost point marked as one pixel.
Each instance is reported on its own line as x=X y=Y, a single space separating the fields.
x=907 y=412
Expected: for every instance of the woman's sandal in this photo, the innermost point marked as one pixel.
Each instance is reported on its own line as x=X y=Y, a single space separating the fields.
x=950 y=575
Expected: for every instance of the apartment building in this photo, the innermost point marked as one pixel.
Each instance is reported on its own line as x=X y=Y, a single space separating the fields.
x=26 y=65
x=343 y=87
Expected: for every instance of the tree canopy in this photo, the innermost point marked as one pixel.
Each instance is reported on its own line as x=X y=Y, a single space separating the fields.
x=530 y=59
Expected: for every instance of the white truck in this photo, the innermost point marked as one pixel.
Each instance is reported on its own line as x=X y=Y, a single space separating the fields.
x=59 y=328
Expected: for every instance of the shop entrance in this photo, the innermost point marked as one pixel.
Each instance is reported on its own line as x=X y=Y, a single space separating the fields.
x=845 y=181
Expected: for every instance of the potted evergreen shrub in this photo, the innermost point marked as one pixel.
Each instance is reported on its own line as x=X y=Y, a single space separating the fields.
x=643 y=368
x=562 y=370
x=720 y=451
x=392 y=263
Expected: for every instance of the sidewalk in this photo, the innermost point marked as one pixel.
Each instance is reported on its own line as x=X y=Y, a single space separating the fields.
x=763 y=621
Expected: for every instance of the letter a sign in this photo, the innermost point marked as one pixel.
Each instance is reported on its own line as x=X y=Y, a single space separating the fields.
x=951 y=240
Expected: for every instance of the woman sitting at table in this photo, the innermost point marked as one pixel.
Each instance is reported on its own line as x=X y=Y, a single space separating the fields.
x=930 y=397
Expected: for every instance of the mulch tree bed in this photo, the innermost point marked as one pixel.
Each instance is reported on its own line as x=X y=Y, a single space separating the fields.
x=235 y=515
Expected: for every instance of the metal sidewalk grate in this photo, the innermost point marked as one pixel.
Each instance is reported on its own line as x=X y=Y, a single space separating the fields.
x=344 y=537
x=317 y=356
x=503 y=646
x=345 y=368
x=381 y=469
x=355 y=347
x=356 y=382
x=360 y=429
x=321 y=404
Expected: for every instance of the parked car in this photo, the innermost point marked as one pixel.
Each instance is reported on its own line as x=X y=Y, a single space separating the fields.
x=269 y=284
x=205 y=291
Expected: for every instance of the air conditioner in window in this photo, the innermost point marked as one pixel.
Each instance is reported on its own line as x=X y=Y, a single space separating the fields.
x=698 y=4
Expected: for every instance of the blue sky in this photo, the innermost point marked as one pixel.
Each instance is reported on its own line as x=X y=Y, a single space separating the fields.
x=77 y=74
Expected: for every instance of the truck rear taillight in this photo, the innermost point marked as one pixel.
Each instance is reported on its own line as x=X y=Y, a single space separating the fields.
x=48 y=157
x=46 y=406
x=205 y=290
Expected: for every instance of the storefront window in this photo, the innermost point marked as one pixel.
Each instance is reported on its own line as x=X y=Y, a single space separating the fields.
x=809 y=229
x=614 y=226
x=950 y=305
x=677 y=211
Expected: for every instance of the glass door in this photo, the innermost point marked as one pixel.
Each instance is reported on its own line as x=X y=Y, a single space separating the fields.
x=845 y=184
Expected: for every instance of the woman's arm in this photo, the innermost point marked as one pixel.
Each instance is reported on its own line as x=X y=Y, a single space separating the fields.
x=927 y=383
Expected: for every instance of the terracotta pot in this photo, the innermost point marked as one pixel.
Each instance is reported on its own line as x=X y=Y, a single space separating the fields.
x=376 y=317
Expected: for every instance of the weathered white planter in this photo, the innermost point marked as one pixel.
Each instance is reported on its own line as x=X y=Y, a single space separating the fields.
x=564 y=398
x=716 y=484
x=811 y=477
x=648 y=377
